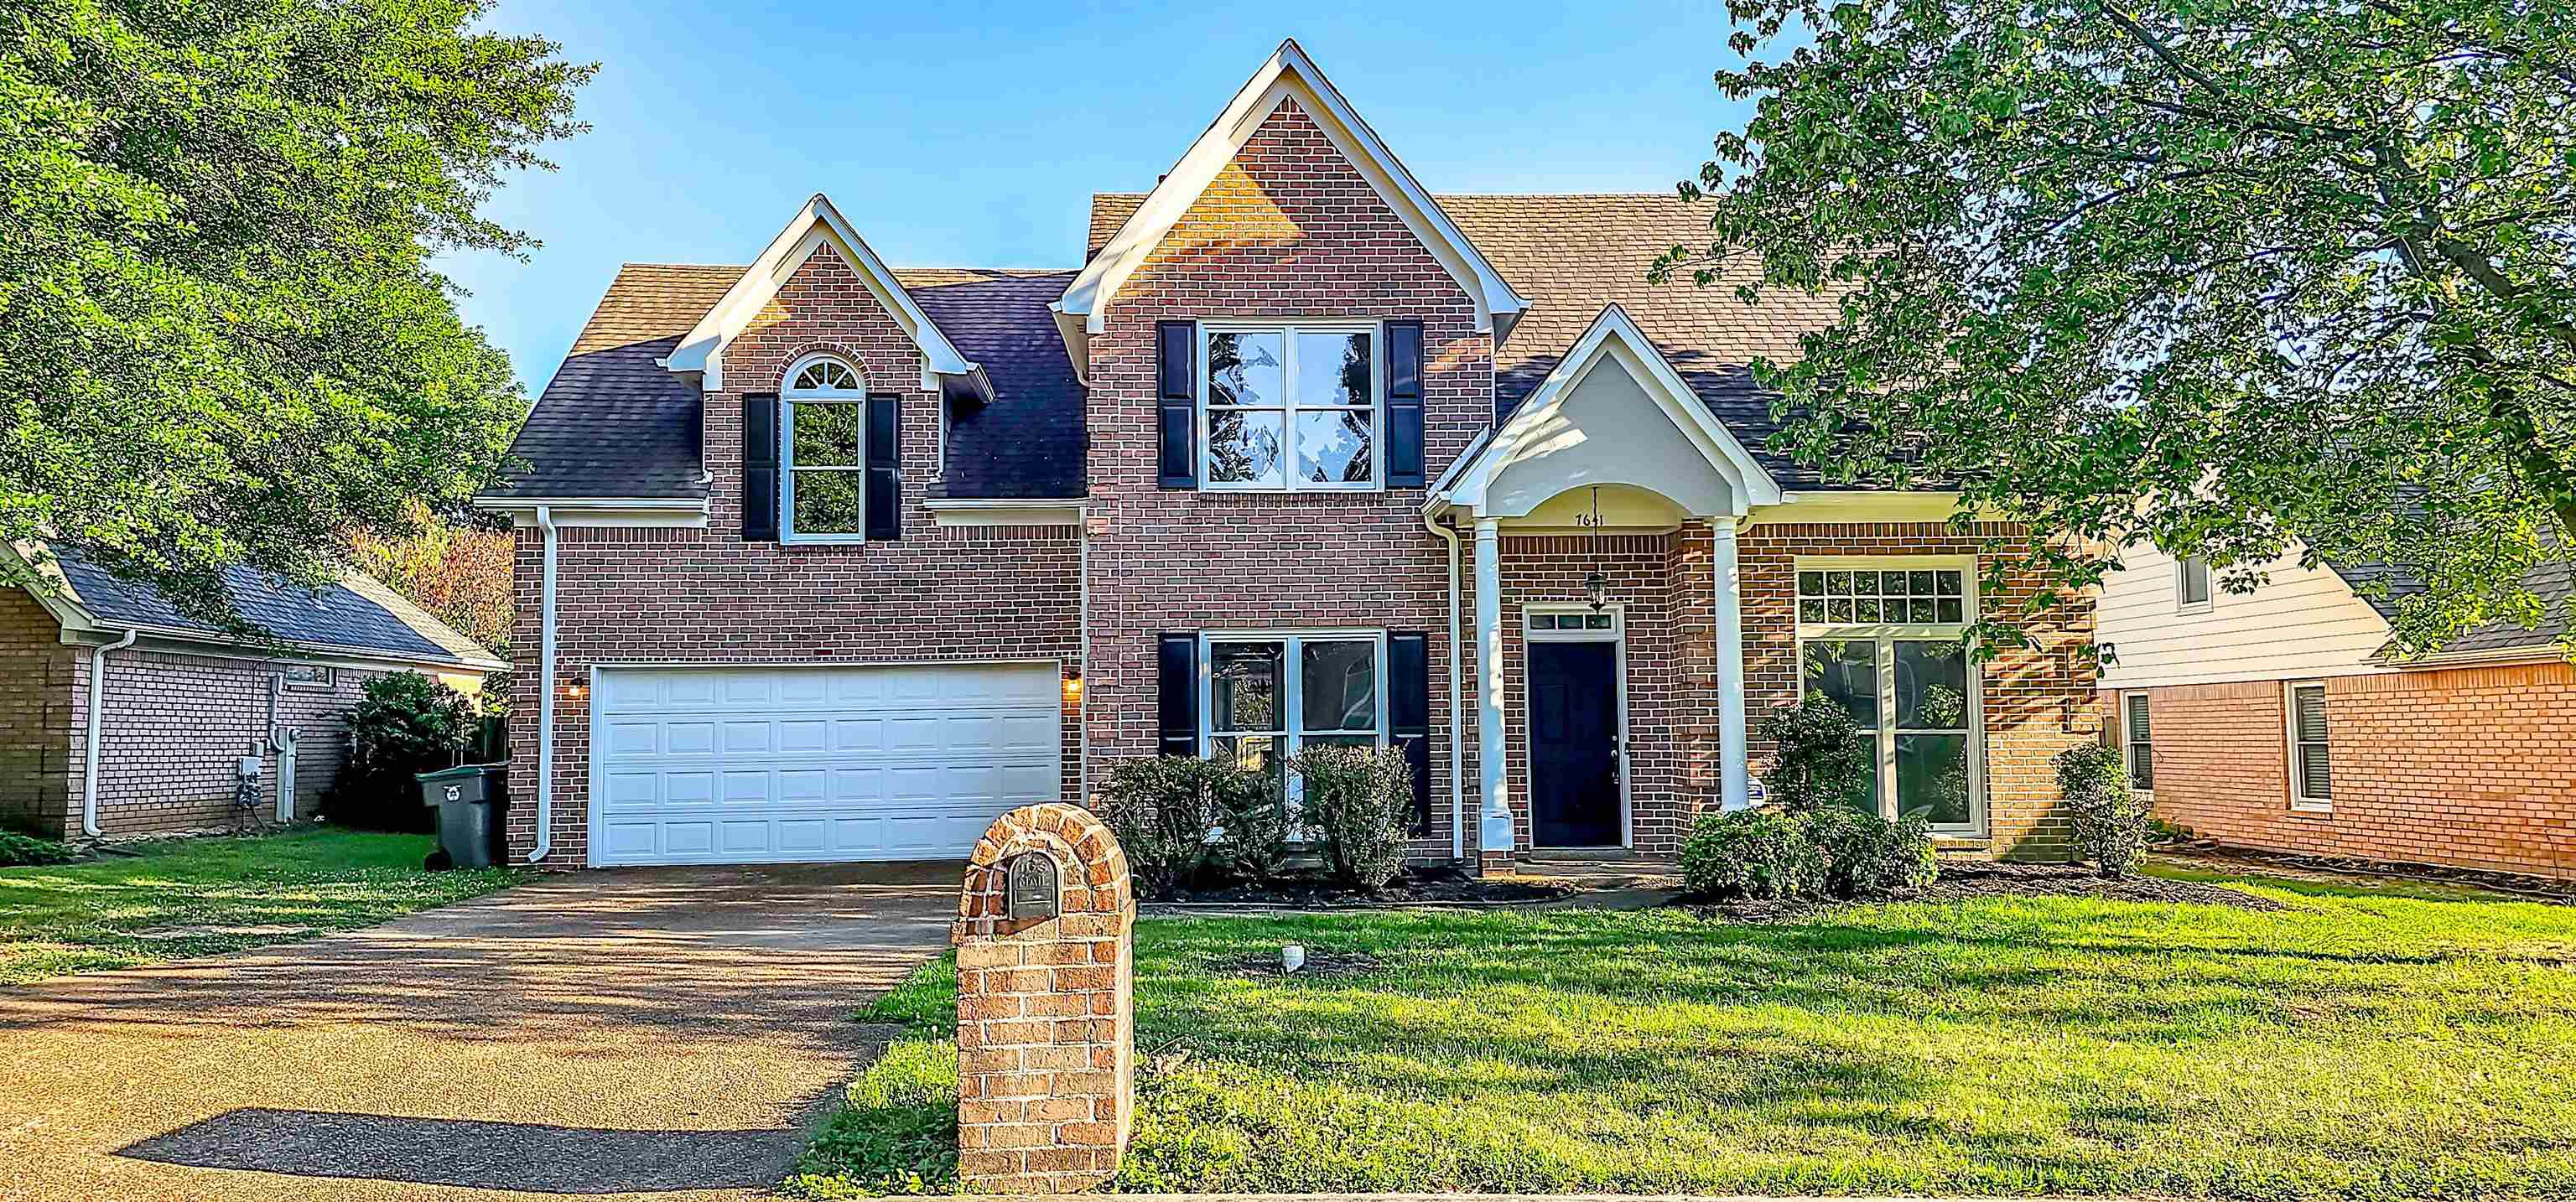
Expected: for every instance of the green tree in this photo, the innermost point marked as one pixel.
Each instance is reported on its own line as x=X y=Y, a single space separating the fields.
x=2237 y=277
x=221 y=337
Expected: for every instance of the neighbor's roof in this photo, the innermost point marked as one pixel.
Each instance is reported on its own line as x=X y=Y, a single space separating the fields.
x=358 y=615
x=2553 y=583
x=1572 y=255
x=613 y=423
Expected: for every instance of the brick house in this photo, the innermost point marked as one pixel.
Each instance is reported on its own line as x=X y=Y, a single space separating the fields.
x=127 y=717
x=821 y=559
x=2278 y=719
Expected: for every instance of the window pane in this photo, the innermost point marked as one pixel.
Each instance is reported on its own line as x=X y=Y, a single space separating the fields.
x=1340 y=683
x=1811 y=584
x=1894 y=584
x=1931 y=686
x=1932 y=778
x=2139 y=718
x=1243 y=447
x=1813 y=611
x=1865 y=583
x=1243 y=369
x=2195 y=582
x=1838 y=609
x=1338 y=741
x=1847 y=672
x=1838 y=584
x=1243 y=686
x=1953 y=610
x=1596 y=621
x=829 y=502
x=2316 y=774
x=1864 y=798
x=830 y=435
x=1333 y=369
x=1333 y=447
x=2312 y=714
x=1257 y=752
x=1865 y=609
x=2142 y=767
x=1948 y=582
x=1923 y=611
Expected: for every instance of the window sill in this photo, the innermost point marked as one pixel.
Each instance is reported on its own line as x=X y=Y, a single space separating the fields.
x=2312 y=809
x=1962 y=841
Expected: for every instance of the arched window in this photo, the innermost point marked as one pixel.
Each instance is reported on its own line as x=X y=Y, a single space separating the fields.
x=823 y=424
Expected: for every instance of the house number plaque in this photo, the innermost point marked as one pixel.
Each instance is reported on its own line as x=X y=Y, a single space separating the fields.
x=1032 y=888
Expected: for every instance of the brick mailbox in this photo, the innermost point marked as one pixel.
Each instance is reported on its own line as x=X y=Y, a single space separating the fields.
x=1046 y=1031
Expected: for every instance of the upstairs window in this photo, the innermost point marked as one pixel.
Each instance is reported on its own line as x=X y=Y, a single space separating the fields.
x=1289 y=407
x=823 y=422
x=2191 y=586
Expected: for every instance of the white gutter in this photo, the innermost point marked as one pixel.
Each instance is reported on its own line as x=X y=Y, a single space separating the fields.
x=545 y=693
x=1082 y=658
x=1457 y=737
x=97 y=727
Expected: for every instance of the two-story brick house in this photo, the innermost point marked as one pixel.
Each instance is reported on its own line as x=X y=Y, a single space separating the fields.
x=821 y=559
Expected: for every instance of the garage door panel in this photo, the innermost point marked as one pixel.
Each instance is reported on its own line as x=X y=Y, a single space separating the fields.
x=834 y=763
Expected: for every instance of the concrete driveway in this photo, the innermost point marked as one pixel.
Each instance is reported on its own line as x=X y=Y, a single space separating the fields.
x=661 y=1032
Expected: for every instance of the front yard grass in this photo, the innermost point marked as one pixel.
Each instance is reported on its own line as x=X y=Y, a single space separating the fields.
x=198 y=897
x=2370 y=1042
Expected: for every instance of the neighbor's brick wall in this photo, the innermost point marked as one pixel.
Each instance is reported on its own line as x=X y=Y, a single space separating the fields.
x=1289 y=229
x=35 y=717
x=2038 y=701
x=959 y=594
x=177 y=723
x=2465 y=767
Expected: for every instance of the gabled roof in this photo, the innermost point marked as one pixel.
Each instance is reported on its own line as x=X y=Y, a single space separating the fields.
x=1287 y=75
x=816 y=225
x=2553 y=583
x=357 y=616
x=1610 y=331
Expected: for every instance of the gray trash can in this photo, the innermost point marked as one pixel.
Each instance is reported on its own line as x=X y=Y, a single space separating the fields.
x=470 y=800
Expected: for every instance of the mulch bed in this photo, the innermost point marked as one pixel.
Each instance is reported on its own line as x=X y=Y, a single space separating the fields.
x=1965 y=882
x=1415 y=887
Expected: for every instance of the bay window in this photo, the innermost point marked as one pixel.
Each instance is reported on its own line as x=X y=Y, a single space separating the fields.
x=1268 y=696
x=1883 y=638
x=1289 y=406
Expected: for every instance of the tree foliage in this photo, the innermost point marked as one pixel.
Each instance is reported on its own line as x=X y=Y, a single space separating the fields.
x=2239 y=278
x=221 y=336
x=458 y=571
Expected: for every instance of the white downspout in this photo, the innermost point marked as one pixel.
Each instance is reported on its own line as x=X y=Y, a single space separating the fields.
x=1082 y=655
x=1457 y=691
x=545 y=693
x=97 y=729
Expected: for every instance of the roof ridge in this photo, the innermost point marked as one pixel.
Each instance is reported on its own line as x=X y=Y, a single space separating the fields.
x=692 y=266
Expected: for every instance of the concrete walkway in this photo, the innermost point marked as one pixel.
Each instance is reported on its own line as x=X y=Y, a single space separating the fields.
x=645 y=1033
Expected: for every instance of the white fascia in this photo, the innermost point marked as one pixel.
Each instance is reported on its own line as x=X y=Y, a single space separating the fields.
x=816 y=225
x=1289 y=74
x=1005 y=511
x=1613 y=337
x=689 y=513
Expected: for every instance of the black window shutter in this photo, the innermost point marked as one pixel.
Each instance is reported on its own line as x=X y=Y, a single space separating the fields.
x=1176 y=346
x=1408 y=713
x=885 y=459
x=1404 y=404
x=1177 y=674
x=760 y=467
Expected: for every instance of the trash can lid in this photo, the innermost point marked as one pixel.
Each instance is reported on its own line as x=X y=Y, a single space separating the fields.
x=459 y=772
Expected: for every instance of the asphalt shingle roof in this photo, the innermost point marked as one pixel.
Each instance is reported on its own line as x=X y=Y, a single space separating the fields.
x=2553 y=583
x=1028 y=442
x=334 y=615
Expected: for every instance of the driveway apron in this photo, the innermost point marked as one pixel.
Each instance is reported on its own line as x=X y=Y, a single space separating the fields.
x=641 y=1033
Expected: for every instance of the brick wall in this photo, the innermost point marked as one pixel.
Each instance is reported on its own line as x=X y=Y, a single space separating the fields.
x=959 y=594
x=35 y=717
x=176 y=724
x=2467 y=767
x=2038 y=701
x=1289 y=229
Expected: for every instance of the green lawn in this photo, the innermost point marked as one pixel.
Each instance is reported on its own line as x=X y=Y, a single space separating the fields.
x=2372 y=1042
x=197 y=897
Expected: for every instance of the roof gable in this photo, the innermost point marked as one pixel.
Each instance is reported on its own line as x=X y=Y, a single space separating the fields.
x=1288 y=76
x=815 y=226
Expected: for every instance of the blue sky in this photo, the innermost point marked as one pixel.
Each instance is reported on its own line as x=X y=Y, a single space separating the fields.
x=954 y=135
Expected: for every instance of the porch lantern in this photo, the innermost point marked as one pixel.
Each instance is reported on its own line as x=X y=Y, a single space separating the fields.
x=1596 y=583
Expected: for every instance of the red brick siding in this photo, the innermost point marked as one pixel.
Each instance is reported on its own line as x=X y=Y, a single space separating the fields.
x=2038 y=701
x=35 y=717
x=959 y=594
x=1289 y=229
x=2467 y=767
x=176 y=725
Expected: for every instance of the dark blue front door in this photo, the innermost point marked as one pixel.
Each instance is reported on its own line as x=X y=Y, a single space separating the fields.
x=1574 y=744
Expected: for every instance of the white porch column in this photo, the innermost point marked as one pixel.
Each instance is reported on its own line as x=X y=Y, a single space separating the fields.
x=1734 y=768
x=1494 y=810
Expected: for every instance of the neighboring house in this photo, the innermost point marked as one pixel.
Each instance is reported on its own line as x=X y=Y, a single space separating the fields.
x=826 y=560
x=2278 y=718
x=172 y=705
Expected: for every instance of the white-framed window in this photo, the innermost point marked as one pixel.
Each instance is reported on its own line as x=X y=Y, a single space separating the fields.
x=2137 y=736
x=823 y=452
x=1265 y=696
x=1572 y=621
x=2311 y=758
x=2192 y=591
x=1884 y=637
x=317 y=677
x=1290 y=406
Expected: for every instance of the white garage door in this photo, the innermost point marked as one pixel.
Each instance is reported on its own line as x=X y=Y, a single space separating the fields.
x=765 y=765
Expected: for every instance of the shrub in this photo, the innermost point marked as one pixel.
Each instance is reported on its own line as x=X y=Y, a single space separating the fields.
x=1359 y=800
x=1867 y=856
x=404 y=724
x=1253 y=830
x=1819 y=758
x=1761 y=854
x=1162 y=810
x=2110 y=822
x=18 y=850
